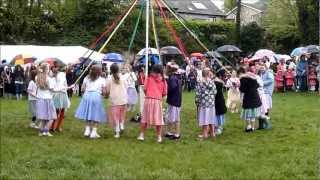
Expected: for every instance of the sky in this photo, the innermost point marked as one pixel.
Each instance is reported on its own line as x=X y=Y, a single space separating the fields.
x=219 y=3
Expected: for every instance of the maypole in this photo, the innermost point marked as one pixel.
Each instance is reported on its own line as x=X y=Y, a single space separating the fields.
x=154 y=28
x=147 y=37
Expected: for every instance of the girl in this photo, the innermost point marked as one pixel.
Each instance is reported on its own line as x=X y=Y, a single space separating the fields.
x=45 y=106
x=205 y=101
x=117 y=90
x=174 y=100
x=251 y=99
x=60 y=97
x=32 y=98
x=18 y=77
x=233 y=100
x=131 y=79
x=220 y=105
x=91 y=108
x=6 y=75
x=155 y=88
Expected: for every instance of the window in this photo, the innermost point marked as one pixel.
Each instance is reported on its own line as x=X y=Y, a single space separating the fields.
x=199 y=5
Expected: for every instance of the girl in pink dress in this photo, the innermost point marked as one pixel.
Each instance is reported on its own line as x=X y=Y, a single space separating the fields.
x=155 y=88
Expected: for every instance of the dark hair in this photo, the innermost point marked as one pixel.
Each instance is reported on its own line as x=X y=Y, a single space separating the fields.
x=158 y=69
x=33 y=75
x=114 y=68
x=242 y=70
x=95 y=72
x=17 y=69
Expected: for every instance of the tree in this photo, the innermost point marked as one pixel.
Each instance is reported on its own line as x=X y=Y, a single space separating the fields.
x=229 y=4
x=281 y=24
x=308 y=21
x=252 y=37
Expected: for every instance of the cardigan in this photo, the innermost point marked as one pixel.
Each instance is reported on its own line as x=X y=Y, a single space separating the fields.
x=249 y=87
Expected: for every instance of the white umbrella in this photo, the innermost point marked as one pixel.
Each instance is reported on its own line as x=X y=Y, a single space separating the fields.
x=150 y=51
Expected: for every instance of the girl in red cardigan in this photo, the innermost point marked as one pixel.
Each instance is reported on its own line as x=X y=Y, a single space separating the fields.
x=155 y=88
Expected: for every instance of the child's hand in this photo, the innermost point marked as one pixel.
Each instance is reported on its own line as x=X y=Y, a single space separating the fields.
x=72 y=86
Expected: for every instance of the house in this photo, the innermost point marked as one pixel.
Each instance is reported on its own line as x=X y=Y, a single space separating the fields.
x=250 y=12
x=196 y=9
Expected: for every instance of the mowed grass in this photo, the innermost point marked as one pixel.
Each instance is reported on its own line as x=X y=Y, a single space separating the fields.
x=289 y=151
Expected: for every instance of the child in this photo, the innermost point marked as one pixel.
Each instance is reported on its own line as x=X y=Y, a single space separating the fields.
x=155 y=88
x=174 y=101
x=251 y=99
x=289 y=77
x=312 y=79
x=32 y=98
x=45 y=107
x=267 y=77
x=205 y=101
x=279 y=80
x=117 y=90
x=233 y=100
x=220 y=105
x=60 y=97
x=131 y=79
x=91 y=108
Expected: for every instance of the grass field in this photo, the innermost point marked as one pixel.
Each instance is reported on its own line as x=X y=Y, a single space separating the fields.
x=289 y=151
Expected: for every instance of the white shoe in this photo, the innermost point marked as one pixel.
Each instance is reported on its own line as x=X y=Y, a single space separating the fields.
x=159 y=140
x=94 y=135
x=41 y=134
x=49 y=134
x=33 y=125
x=218 y=131
x=117 y=135
x=140 y=138
x=87 y=131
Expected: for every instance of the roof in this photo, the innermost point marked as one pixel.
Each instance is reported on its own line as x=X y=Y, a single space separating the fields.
x=200 y=7
x=259 y=6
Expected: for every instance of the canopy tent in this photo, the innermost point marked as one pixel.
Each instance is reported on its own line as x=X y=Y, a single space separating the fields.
x=67 y=54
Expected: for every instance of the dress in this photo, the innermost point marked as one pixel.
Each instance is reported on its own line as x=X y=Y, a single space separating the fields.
x=205 y=100
x=91 y=107
x=233 y=92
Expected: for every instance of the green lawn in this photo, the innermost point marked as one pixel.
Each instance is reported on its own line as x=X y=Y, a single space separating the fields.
x=289 y=151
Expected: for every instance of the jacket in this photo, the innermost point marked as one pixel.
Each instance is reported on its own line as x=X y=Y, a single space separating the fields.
x=219 y=101
x=268 y=81
x=155 y=87
x=174 y=97
x=249 y=87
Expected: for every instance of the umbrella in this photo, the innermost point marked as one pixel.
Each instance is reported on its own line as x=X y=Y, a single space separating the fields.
x=228 y=48
x=282 y=56
x=197 y=55
x=170 y=50
x=260 y=54
x=215 y=54
x=298 y=51
x=114 y=57
x=153 y=59
x=313 y=49
x=150 y=51
x=52 y=62
x=22 y=59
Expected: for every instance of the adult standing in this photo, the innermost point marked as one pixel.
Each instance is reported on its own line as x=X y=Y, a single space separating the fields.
x=302 y=68
x=6 y=76
x=70 y=76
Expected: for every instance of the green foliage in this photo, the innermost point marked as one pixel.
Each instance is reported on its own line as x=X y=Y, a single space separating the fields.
x=288 y=151
x=281 y=23
x=308 y=21
x=230 y=4
x=252 y=37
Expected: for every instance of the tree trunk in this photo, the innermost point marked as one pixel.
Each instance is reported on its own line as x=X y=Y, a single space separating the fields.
x=238 y=23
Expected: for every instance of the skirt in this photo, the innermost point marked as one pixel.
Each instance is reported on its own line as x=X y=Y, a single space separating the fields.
x=132 y=96
x=61 y=100
x=268 y=101
x=45 y=109
x=250 y=114
x=173 y=114
x=33 y=107
x=117 y=114
x=141 y=98
x=91 y=108
x=152 y=112
x=207 y=116
x=264 y=104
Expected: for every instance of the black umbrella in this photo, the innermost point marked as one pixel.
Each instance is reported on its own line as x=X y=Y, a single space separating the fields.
x=215 y=54
x=313 y=49
x=228 y=48
x=170 y=50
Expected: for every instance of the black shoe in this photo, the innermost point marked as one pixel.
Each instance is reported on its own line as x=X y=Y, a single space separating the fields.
x=168 y=135
x=248 y=130
x=174 y=137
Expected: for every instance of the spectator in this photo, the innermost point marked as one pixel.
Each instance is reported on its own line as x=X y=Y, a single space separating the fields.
x=19 y=78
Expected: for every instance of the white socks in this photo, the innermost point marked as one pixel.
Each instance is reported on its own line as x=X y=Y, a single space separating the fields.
x=87 y=131
x=122 y=126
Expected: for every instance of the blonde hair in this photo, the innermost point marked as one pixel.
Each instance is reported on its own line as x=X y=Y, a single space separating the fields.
x=42 y=76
